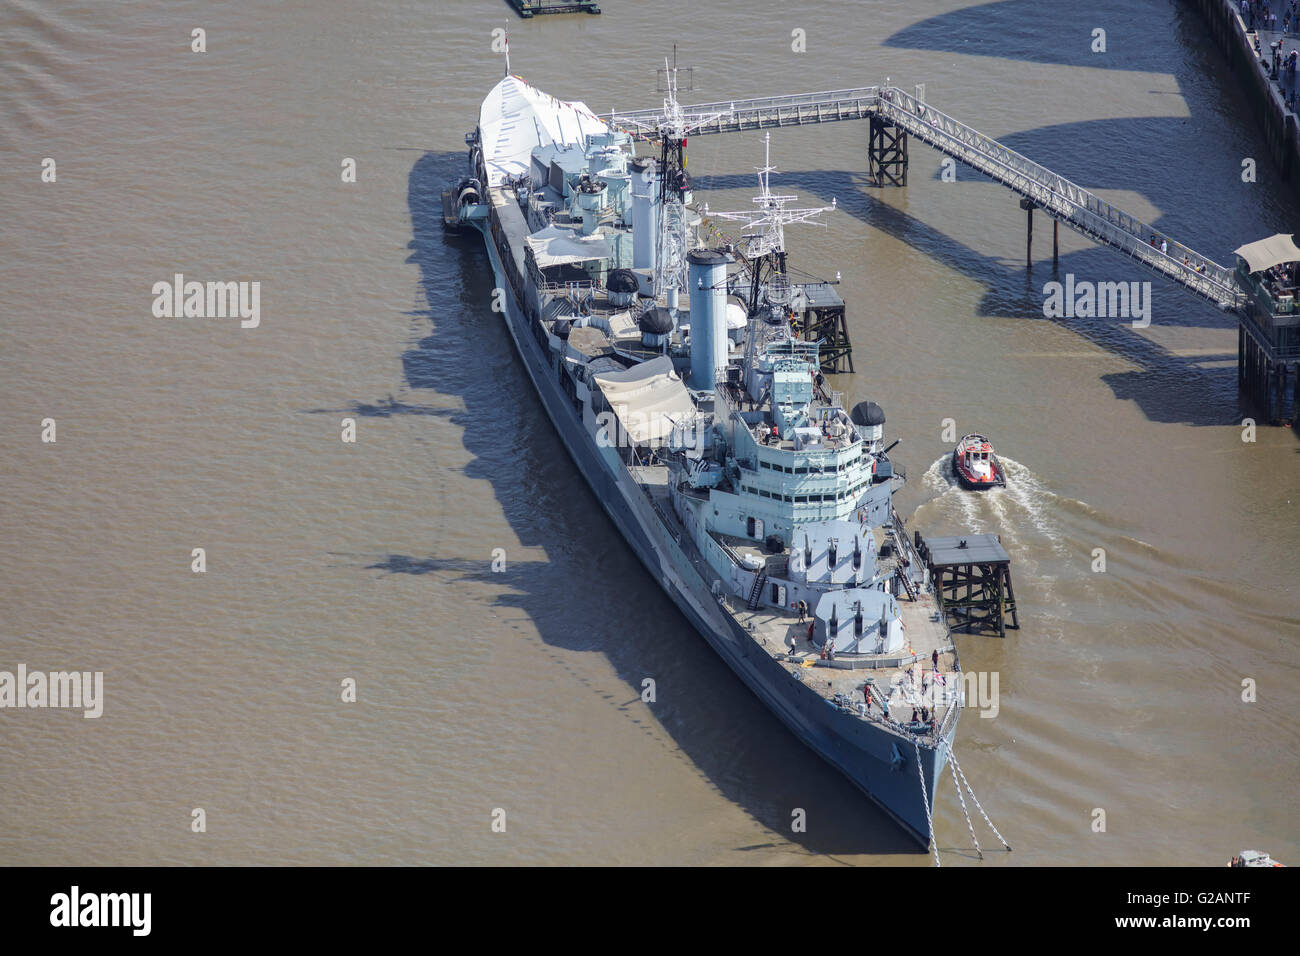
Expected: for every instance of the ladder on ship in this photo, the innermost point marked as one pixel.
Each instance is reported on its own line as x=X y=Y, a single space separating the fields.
x=907 y=582
x=756 y=592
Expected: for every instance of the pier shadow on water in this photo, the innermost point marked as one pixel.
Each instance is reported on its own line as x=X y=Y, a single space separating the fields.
x=591 y=593
x=1167 y=387
x=1188 y=165
x=1057 y=34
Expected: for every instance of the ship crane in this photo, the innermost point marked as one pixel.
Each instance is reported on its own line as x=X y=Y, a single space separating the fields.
x=671 y=127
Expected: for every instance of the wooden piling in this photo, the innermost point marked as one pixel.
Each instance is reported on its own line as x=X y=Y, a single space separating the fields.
x=972 y=581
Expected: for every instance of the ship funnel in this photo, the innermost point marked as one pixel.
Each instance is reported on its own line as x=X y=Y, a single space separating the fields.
x=707 y=280
x=645 y=213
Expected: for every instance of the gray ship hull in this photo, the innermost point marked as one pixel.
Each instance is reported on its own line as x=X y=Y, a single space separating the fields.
x=882 y=765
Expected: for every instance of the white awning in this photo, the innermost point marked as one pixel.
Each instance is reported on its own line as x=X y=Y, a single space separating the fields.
x=516 y=118
x=555 y=246
x=649 y=399
x=1269 y=252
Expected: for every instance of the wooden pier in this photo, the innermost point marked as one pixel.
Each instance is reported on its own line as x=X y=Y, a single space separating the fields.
x=1268 y=341
x=531 y=8
x=977 y=565
x=1268 y=376
x=821 y=318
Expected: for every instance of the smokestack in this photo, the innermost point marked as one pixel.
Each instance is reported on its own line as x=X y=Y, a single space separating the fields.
x=707 y=278
x=645 y=212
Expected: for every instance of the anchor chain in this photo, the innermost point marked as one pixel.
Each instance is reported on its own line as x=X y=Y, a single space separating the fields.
x=975 y=799
x=969 y=826
x=925 y=803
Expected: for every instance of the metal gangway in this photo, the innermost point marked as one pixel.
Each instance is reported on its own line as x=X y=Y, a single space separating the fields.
x=1063 y=200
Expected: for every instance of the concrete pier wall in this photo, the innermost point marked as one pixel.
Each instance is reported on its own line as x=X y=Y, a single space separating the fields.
x=1252 y=67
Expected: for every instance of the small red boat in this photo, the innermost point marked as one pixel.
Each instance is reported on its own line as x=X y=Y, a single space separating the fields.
x=975 y=465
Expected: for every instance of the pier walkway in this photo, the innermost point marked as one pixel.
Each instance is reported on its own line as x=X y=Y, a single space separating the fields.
x=1064 y=201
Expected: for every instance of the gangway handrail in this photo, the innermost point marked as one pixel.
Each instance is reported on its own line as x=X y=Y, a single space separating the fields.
x=822 y=98
x=1055 y=193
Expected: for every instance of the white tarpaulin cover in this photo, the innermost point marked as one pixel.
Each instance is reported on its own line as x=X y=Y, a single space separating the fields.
x=516 y=118
x=737 y=318
x=1269 y=252
x=648 y=399
x=556 y=245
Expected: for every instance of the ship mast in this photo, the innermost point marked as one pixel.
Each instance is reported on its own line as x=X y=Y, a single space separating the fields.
x=765 y=247
x=671 y=127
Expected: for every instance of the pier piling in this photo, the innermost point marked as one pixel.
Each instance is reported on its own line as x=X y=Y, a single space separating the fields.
x=1028 y=205
x=972 y=581
x=886 y=153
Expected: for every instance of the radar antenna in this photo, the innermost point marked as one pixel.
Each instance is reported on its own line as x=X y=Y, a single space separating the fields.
x=772 y=216
x=764 y=244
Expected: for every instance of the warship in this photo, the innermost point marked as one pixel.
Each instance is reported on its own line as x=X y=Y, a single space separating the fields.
x=675 y=376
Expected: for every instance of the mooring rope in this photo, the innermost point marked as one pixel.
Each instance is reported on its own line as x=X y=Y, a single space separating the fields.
x=969 y=826
x=975 y=799
x=925 y=802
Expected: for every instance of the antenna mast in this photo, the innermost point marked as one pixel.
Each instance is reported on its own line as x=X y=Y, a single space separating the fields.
x=766 y=246
x=671 y=127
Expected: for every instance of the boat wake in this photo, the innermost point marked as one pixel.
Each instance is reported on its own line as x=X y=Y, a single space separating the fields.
x=1049 y=536
x=1026 y=506
x=1058 y=547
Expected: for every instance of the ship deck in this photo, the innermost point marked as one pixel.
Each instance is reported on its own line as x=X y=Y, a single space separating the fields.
x=841 y=681
x=887 y=674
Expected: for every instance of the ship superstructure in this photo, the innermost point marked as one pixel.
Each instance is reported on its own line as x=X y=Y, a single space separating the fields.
x=706 y=429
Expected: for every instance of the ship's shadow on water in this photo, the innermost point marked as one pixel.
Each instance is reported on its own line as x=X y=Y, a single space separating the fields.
x=591 y=593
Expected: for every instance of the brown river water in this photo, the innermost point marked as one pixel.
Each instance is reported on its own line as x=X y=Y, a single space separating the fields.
x=521 y=690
